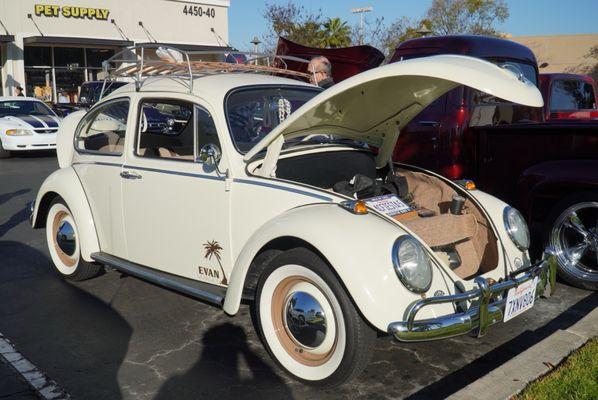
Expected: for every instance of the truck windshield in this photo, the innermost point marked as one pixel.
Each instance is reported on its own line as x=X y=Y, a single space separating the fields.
x=568 y=95
x=490 y=110
x=23 y=107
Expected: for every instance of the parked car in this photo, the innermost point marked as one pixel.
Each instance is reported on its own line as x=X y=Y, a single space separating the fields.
x=89 y=94
x=569 y=96
x=548 y=170
x=26 y=124
x=271 y=192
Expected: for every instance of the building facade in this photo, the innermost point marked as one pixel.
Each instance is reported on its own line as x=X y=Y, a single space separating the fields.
x=50 y=47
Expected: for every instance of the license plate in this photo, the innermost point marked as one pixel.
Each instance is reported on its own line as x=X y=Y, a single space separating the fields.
x=520 y=299
x=389 y=205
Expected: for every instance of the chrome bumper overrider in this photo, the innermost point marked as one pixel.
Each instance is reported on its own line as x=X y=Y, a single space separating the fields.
x=487 y=306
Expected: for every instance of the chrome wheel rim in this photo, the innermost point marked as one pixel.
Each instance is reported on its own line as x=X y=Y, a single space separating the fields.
x=574 y=237
x=305 y=326
x=66 y=238
x=305 y=319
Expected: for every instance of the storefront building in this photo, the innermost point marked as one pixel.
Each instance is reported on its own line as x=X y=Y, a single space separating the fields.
x=51 y=48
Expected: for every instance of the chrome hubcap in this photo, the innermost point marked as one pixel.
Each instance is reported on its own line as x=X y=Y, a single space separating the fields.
x=305 y=319
x=65 y=238
x=575 y=240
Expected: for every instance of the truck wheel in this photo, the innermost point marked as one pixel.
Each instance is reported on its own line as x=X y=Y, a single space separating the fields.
x=63 y=244
x=573 y=234
x=3 y=153
x=307 y=322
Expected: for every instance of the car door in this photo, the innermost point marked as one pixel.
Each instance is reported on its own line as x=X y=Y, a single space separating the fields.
x=175 y=207
x=99 y=156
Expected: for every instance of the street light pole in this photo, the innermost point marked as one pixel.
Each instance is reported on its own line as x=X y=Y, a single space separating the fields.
x=256 y=42
x=361 y=11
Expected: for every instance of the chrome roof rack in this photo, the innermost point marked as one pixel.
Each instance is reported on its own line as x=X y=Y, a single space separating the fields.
x=158 y=60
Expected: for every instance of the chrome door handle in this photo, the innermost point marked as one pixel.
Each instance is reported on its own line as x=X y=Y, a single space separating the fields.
x=428 y=123
x=129 y=175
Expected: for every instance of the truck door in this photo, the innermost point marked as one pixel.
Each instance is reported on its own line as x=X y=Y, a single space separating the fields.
x=418 y=142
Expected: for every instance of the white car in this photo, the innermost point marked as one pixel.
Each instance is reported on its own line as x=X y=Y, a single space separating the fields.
x=26 y=124
x=269 y=190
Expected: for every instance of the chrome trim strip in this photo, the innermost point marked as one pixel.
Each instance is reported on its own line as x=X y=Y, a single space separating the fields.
x=164 y=171
x=108 y=164
x=200 y=290
x=280 y=187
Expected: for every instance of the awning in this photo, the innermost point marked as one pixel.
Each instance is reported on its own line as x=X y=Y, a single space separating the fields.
x=76 y=41
x=6 y=38
x=194 y=47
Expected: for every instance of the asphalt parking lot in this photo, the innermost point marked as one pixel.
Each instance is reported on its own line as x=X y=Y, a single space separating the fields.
x=117 y=337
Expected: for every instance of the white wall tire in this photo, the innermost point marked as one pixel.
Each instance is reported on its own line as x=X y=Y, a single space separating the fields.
x=334 y=344
x=63 y=244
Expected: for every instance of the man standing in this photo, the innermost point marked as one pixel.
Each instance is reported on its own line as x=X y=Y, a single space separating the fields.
x=320 y=71
x=19 y=91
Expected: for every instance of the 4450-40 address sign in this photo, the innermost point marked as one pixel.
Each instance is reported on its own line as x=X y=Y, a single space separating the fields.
x=199 y=11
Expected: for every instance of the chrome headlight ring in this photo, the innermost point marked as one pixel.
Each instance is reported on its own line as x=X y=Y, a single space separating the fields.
x=412 y=264
x=516 y=228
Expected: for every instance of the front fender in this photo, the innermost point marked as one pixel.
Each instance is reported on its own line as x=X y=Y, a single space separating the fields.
x=65 y=183
x=358 y=248
x=554 y=180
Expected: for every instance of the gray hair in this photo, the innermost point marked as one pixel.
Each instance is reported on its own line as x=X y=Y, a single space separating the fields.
x=327 y=67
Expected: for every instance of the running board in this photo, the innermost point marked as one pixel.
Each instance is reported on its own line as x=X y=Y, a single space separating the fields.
x=200 y=290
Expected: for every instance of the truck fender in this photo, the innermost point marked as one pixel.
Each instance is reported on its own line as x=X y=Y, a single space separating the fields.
x=65 y=183
x=553 y=180
x=357 y=247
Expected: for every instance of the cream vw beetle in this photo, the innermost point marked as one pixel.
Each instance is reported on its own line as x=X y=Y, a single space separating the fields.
x=246 y=186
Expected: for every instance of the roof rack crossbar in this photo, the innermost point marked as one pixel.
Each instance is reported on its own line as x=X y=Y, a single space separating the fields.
x=166 y=61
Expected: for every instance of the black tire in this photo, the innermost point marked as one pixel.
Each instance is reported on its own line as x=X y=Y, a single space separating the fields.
x=80 y=269
x=3 y=153
x=359 y=337
x=577 y=274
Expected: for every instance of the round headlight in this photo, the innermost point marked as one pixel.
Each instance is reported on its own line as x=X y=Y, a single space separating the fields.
x=516 y=228
x=412 y=264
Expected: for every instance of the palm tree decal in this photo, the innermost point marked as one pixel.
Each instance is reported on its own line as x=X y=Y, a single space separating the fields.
x=212 y=249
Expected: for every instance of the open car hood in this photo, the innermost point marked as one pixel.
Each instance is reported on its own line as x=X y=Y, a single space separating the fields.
x=375 y=105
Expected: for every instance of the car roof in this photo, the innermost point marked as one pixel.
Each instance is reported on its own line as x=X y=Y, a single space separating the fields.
x=472 y=45
x=207 y=86
x=19 y=98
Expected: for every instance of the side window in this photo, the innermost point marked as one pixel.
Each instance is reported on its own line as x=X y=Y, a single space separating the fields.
x=166 y=130
x=103 y=129
x=206 y=129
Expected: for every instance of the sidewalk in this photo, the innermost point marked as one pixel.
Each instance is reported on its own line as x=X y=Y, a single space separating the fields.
x=513 y=376
x=11 y=385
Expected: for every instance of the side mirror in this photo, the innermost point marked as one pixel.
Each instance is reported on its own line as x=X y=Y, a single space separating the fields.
x=210 y=155
x=105 y=125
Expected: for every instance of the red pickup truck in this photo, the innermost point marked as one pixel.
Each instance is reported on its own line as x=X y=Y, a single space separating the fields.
x=569 y=96
x=548 y=169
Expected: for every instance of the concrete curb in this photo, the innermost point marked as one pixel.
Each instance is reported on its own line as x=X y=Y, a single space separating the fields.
x=514 y=375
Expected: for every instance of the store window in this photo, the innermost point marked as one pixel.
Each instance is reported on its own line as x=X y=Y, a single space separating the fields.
x=55 y=74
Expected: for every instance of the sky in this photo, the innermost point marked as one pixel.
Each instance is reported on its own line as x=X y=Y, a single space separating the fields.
x=527 y=17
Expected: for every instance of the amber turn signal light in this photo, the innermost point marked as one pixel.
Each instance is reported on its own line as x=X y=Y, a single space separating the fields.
x=355 y=206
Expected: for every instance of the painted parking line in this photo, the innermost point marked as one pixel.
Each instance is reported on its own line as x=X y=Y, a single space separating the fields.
x=45 y=387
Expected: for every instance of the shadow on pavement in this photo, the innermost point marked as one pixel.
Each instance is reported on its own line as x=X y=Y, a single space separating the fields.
x=14 y=220
x=220 y=370
x=4 y=197
x=459 y=379
x=70 y=334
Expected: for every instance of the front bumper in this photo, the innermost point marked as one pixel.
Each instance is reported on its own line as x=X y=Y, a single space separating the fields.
x=487 y=306
x=28 y=143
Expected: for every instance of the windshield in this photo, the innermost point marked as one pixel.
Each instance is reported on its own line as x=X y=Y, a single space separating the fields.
x=252 y=113
x=90 y=92
x=23 y=107
x=570 y=95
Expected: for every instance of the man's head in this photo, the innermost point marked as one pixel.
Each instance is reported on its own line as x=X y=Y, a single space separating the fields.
x=319 y=68
x=19 y=90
